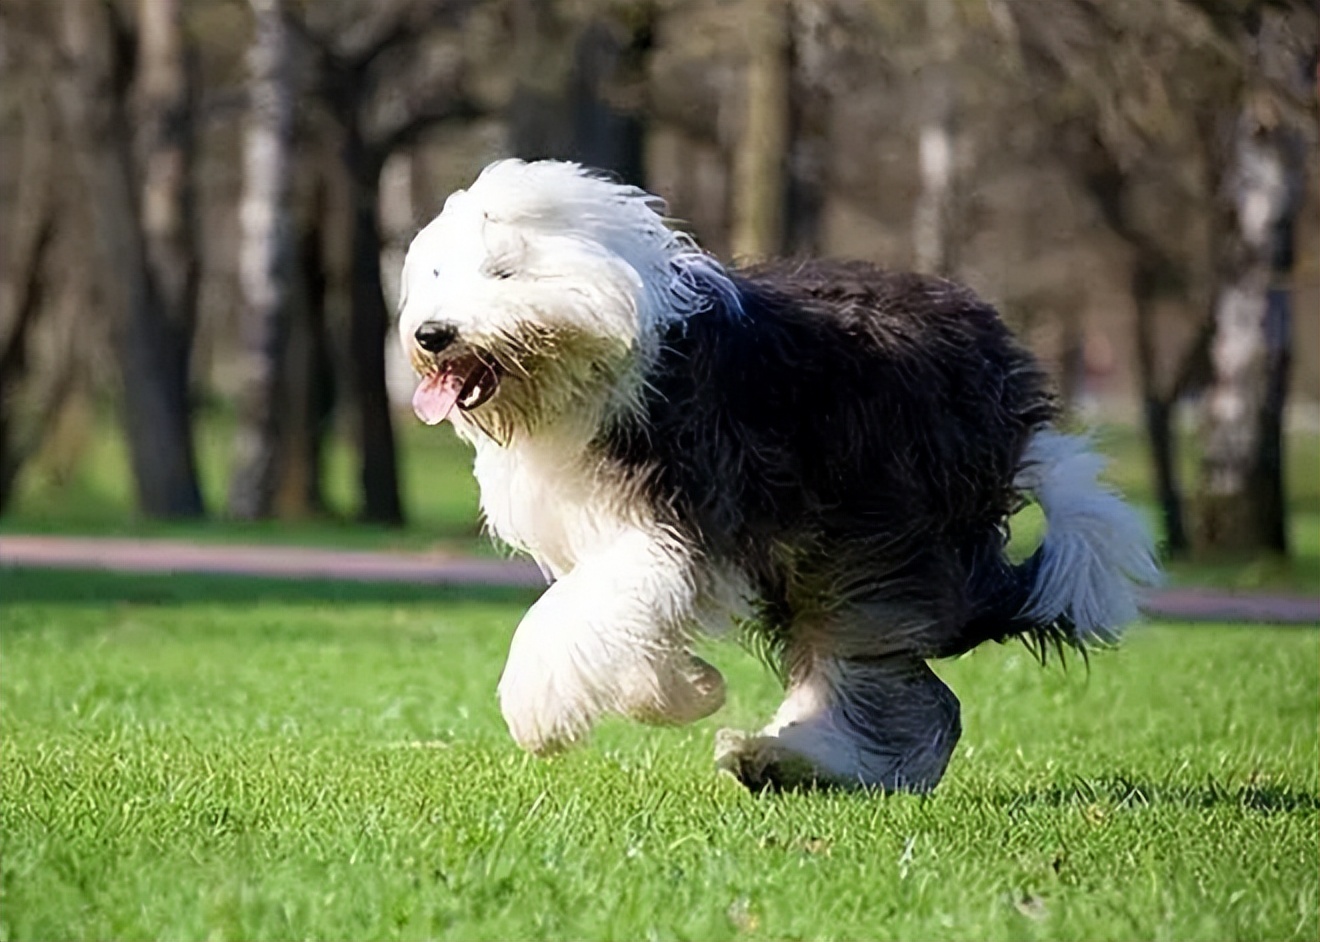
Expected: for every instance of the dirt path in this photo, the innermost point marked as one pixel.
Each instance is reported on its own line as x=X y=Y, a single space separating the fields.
x=285 y=562
x=163 y=556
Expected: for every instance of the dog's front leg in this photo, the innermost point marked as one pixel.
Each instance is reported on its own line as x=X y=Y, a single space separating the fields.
x=611 y=636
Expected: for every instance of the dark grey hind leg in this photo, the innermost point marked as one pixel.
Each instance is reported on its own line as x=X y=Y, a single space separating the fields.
x=884 y=722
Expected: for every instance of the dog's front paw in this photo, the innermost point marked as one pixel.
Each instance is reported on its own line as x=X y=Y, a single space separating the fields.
x=542 y=713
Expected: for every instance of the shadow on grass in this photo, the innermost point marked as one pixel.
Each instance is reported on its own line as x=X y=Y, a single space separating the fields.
x=1121 y=792
x=95 y=587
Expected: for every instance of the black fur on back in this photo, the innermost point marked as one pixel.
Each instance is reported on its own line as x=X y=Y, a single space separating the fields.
x=849 y=439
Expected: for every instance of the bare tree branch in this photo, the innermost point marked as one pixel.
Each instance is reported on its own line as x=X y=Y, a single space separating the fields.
x=322 y=47
x=364 y=44
x=441 y=108
x=367 y=44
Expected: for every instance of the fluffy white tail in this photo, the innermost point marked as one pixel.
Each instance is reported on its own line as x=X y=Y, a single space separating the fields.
x=1097 y=554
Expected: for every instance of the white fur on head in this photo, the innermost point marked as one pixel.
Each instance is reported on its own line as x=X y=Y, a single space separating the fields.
x=556 y=245
x=552 y=249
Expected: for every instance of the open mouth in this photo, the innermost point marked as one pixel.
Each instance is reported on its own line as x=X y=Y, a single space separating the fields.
x=466 y=381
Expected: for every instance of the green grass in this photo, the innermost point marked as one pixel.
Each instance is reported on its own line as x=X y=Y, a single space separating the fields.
x=212 y=758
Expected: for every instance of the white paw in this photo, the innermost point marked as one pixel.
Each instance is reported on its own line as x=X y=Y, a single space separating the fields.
x=547 y=710
x=551 y=700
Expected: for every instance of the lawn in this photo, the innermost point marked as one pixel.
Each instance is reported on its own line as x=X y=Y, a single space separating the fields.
x=216 y=758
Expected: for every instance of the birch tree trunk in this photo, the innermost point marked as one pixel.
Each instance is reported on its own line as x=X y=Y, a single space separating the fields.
x=265 y=268
x=141 y=204
x=1241 y=507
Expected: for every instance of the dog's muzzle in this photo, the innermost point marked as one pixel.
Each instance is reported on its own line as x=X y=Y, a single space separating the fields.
x=466 y=377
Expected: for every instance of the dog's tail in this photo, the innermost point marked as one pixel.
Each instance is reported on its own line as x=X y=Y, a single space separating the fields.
x=1086 y=578
x=1083 y=584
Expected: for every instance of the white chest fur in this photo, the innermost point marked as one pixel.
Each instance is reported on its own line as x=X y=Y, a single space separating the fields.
x=543 y=496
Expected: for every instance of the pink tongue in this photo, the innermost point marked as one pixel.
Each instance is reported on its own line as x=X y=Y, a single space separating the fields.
x=435 y=397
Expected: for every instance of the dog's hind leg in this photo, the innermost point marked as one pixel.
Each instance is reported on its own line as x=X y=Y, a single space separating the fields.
x=611 y=636
x=884 y=722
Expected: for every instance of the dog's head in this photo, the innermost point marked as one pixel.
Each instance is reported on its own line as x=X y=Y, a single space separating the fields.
x=538 y=291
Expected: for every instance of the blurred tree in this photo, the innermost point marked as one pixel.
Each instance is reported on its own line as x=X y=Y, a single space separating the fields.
x=812 y=64
x=609 y=123
x=28 y=241
x=760 y=182
x=265 y=263
x=309 y=386
x=384 y=83
x=742 y=99
x=1128 y=91
x=539 y=113
x=1157 y=275
x=934 y=243
x=578 y=77
x=1241 y=505
x=1131 y=103
x=1140 y=92
x=126 y=97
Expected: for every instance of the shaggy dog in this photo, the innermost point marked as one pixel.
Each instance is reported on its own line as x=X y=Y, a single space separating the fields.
x=822 y=455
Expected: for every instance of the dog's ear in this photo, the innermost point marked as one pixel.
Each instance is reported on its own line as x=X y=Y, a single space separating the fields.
x=699 y=284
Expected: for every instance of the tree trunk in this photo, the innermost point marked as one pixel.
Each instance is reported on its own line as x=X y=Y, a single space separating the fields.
x=760 y=185
x=1072 y=360
x=144 y=233
x=605 y=135
x=1241 y=506
x=933 y=221
x=540 y=121
x=265 y=268
x=1158 y=404
x=157 y=379
x=368 y=326
x=309 y=371
x=568 y=106
x=31 y=229
x=808 y=135
x=1154 y=275
x=348 y=81
x=1268 y=475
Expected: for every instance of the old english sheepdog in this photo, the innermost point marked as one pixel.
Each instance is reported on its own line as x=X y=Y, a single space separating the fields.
x=820 y=455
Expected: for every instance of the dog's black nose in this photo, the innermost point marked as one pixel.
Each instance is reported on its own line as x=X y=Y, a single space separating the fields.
x=434 y=336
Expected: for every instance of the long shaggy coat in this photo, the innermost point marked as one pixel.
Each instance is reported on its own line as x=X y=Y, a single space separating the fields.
x=822 y=455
